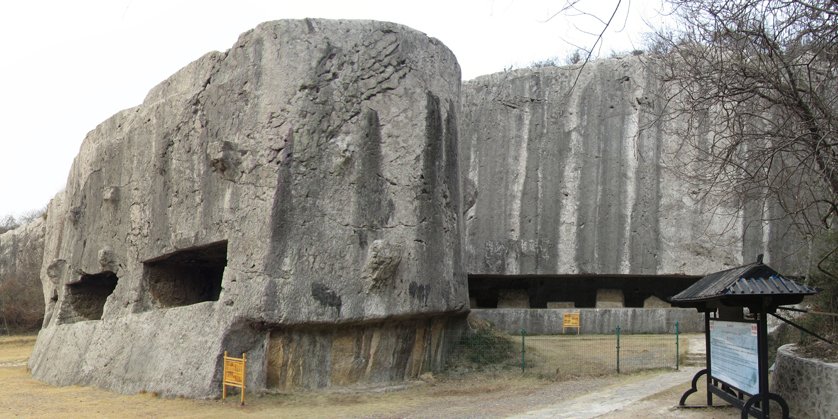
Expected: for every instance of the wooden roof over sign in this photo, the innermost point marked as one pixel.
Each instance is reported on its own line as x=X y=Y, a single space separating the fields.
x=744 y=286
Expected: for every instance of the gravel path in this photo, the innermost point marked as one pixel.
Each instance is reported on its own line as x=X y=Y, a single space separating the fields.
x=612 y=398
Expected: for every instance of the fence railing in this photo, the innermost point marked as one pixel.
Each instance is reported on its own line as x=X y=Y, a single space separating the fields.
x=570 y=355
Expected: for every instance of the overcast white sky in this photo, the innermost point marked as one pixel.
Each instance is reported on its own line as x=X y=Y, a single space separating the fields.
x=66 y=66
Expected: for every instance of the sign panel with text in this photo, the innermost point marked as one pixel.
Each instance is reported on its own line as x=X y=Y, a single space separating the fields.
x=733 y=354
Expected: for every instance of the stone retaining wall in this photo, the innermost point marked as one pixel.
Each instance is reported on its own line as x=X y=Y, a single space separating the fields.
x=809 y=386
x=594 y=320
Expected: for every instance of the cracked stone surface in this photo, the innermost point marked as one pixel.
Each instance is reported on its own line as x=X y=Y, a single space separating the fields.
x=296 y=197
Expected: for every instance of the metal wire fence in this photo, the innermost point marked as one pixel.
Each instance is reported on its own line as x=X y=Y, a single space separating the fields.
x=567 y=356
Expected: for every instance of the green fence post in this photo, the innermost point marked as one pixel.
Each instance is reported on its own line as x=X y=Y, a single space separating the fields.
x=677 y=348
x=618 y=349
x=523 y=351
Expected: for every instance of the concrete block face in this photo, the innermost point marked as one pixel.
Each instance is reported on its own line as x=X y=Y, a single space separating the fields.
x=308 y=175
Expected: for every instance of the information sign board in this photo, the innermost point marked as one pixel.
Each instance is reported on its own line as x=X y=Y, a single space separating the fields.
x=733 y=354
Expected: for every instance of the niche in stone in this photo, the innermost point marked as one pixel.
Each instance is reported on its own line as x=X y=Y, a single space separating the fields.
x=87 y=296
x=187 y=276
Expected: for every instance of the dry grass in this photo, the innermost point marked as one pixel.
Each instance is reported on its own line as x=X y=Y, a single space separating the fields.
x=485 y=394
x=570 y=356
x=25 y=397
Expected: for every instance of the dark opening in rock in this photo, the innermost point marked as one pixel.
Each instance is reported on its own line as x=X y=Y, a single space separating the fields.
x=579 y=291
x=87 y=297
x=187 y=276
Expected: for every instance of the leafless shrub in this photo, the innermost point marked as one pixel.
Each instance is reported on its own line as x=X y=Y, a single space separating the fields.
x=21 y=305
x=757 y=83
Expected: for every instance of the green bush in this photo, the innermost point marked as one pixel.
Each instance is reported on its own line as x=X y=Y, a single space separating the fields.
x=486 y=347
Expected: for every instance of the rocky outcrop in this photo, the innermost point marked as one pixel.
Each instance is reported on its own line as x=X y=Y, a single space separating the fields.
x=297 y=198
x=570 y=172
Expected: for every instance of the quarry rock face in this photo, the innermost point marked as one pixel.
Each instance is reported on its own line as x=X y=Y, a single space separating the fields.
x=570 y=171
x=297 y=197
x=316 y=196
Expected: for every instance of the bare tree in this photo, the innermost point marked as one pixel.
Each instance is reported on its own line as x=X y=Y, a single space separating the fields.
x=585 y=53
x=21 y=305
x=757 y=83
x=8 y=223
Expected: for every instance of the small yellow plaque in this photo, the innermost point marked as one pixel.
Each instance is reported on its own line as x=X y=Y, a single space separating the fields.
x=570 y=320
x=234 y=374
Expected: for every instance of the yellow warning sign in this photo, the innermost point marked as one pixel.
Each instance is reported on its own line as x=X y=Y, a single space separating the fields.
x=570 y=321
x=234 y=374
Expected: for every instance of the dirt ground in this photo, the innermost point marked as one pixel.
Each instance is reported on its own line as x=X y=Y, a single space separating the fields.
x=471 y=395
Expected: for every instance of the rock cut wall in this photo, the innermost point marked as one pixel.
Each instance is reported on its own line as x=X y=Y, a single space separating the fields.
x=296 y=197
x=301 y=197
x=569 y=171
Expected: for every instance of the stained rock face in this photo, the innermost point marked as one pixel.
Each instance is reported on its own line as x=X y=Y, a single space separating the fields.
x=571 y=173
x=297 y=197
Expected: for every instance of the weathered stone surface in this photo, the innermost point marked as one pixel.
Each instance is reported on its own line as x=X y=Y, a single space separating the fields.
x=575 y=175
x=808 y=385
x=376 y=353
x=21 y=252
x=301 y=189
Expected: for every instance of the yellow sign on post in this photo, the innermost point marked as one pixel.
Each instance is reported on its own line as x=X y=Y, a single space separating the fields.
x=234 y=374
x=570 y=320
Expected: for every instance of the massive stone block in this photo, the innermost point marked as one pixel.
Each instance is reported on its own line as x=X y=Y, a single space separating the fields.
x=297 y=197
x=570 y=172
